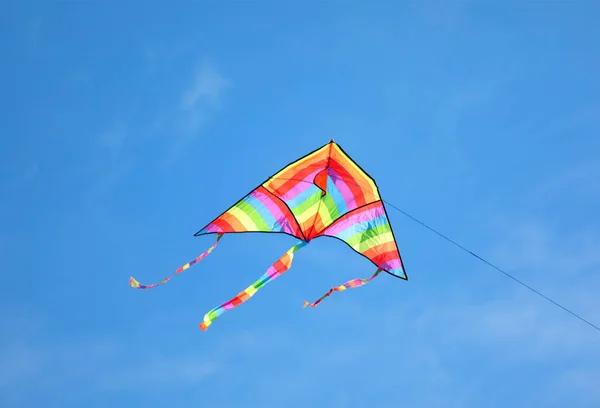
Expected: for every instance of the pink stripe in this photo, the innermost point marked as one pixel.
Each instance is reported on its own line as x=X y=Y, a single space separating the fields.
x=213 y=228
x=344 y=190
x=356 y=218
x=300 y=186
x=274 y=209
x=391 y=265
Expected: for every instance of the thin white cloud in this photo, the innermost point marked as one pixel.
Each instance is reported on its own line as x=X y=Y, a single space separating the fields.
x=198 y=101
x=157 y=372
x=112 y=141
x=35 y=34
x=31 y=172
x=537 y=249
x=31 y=361
x=109 y=160
x=110 y=150
x=576 y=183
x=18 y=363
x=205 y=89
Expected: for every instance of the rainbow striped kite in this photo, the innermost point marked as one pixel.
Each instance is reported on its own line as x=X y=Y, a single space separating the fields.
x=323 y=194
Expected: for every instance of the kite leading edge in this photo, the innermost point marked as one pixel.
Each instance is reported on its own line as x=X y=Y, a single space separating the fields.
x=323 y=194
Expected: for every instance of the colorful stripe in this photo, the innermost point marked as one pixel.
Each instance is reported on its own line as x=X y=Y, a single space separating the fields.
x=259 y=211
x=276 y=270
x=362 y=186
x=295 y=170
x=135 y=284
x=354 y=283
x=346 y=188
x=367 y=230
x=333 y=206
x=297 y=193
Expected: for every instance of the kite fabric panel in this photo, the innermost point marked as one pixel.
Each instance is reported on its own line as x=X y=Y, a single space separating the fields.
x=323 y=194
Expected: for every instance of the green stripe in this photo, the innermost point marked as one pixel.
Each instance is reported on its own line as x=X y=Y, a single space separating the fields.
x=368 y=243
x=254 y=215
x=332 y=208
x=306 y=204
x=359 y=238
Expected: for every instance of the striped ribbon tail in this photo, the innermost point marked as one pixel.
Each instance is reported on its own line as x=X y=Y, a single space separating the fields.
x=354 y=283
x=277 y=269
x=135 y=284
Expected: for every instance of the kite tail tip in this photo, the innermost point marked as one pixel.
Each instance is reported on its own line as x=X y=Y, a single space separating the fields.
x=306 y=304
x=203 y=326
x=134 y=283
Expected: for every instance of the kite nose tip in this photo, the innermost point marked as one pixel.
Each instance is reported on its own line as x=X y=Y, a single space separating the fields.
x=331 y=141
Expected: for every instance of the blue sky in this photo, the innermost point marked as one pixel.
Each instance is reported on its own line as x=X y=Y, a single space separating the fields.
x=126 y=129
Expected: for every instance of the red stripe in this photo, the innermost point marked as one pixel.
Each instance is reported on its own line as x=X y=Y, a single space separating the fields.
x=236 y=301
x=223 y=224
x=282 y=264
x=351 y=182
x=355 y=213
x=382 y=253
x=289 y=181
x=316 y=228
x=284 y=210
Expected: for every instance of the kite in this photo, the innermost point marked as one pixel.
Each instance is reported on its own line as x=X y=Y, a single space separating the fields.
x=322 y=194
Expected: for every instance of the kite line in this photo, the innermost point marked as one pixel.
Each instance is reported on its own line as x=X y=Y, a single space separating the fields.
x=491 y=264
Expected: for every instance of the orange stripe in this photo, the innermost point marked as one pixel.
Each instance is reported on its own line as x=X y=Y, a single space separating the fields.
x=316 y=228
x=291 y=178
x=237 y=300
x=232 y=220
x=223 y=224
x=382 y=252
x=284 y=209
x=357 y=173
x=305 y=161
x=351 y=182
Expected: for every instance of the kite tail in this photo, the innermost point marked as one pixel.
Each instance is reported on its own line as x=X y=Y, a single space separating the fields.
x=135 y=284
x=277 y=269
x=354 y=283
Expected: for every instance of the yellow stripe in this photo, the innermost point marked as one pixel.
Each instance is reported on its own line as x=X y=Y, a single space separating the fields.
x=373 y=241
x=291 y=168
x=308 y=215
x=243 y=218
x=325 y=216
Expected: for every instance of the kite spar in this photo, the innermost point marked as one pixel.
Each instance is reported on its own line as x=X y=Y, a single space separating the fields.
x=323 y=194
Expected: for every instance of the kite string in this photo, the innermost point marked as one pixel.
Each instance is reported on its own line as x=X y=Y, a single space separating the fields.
x=492 y=265
x=481 y=259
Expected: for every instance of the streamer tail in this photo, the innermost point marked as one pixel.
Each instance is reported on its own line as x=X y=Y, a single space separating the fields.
x=137 y=285
x=354 y=283
x=277 y=269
